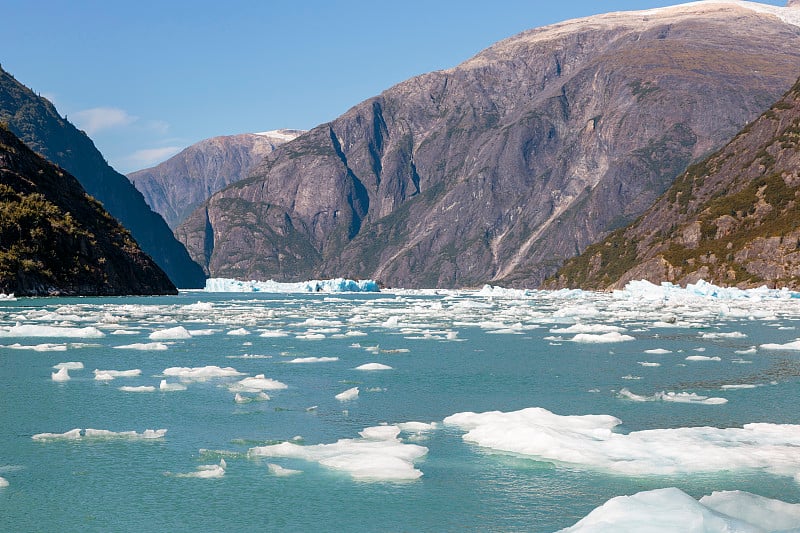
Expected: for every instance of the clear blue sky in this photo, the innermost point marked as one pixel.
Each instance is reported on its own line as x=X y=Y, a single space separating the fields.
x=147 y=78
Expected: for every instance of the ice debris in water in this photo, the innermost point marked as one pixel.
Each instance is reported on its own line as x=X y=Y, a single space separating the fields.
x=378 y=455
x=3 y=482
x=108 y=375
x=301 y=360
x=37 y=330
x=601 y=338
x=671 y=509
x=589 y=441
x=69 y=365
x=100 y=434
x=201 y=373
x=140 y=388
x=170 y=387
x=207 y=471
x=349 y=394
x=329 y=285
x=44 y=347
x=176 y=333
x=61 y=376
x=373 y=366
x=256 y=384
x=701 y=289
x=278 y=470
x=675 y=397
x=144 y=346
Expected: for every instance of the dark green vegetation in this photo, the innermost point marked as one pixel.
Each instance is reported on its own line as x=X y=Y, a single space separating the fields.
x=34 y=120
x=732 y=219
x=57 y=240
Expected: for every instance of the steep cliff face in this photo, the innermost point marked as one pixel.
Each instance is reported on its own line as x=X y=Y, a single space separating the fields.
x=177 y=186
x=499 y=169
x=732 y=219
x=34 y=120
x=57 y=240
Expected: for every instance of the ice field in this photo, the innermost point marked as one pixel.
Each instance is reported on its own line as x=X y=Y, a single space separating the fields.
x=328 y=406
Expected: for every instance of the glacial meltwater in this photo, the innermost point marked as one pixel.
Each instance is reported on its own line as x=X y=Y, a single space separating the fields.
x=491 y=410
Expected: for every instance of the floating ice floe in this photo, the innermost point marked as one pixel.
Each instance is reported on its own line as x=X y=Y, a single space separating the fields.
x=61 y=376
x=101 y=434
x=207 y=471
x=37 y=330
x=590 y=442
x=256 y=384
x=588 y=328
x=601 y=338
x=330 y=285
x=201 y=373
x=239 y=331
x=723 y=335
x=349 y=394
x=658 y=351
x=108 y=375
x=69 y=365
x=278 y=470
x=373 y=366
x=794 y=346
x=667 y=291
x=260 y=397
x=675 y=397
x=144 y=346
x=671 y=509
x=378 y=455
x=170 y=387
x=302 y=360
x=139 y=388
x=703 y=358
x=3 y=481
x=46 y=347
x=176 y=333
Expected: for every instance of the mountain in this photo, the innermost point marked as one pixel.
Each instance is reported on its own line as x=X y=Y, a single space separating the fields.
x=57 y=240
x=501 y=168
x=35 y=120
x=177 y=186
x=732 y=219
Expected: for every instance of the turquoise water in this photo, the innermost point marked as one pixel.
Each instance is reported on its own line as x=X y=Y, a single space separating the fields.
x=449 y=353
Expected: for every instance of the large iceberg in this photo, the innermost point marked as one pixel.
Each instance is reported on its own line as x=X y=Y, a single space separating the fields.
x=327 y=285
x=702 y=289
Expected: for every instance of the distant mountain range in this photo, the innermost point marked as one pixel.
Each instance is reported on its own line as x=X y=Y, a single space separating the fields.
x=503 y=167
x=34 y=120
x=732 y=219
x=57 y=240
x=177 y=186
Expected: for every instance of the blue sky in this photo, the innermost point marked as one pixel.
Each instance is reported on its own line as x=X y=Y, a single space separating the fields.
x=148 y=78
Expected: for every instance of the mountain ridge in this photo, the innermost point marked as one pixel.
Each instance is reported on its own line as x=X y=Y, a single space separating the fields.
x=36 y=121
x=59 y=241
x=731 y=219
x=175 y=187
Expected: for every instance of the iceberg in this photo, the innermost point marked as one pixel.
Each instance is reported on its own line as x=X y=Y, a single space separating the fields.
x=349 y=394
x=671 y=509
x=378 y=455
x=646 y=290
x=589 y=441
x=101 y=434
x=327 y=286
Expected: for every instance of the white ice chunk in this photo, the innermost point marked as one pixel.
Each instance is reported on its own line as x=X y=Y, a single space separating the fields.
x=378 y=456
x=117 y=373
x=794 y=345
x=278 y=470
x=45 y=347
x=258 y=383
x=328 y=286
x=77 y=434
x=239 y=332
x=170 y=387
x=373 y=366
x=207 y=471
x=349 y=394
x=69 y=365
x=176 y=333
x=588 y=328
x=675 y=397
x=146 y=346
x=3 y=482
x=589 y=441
x=658 y=351
x=703 y=358
x=140 y=388
x=723 y=335
x=61 y=376
x=301 y=360
x=613 y=336
x=768 y=514
x=201 y=373
x=36 y=330
x=661 y=510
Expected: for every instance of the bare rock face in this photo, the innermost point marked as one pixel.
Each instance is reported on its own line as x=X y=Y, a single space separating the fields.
x=501 y=168
x=177 y=186
x=741 y=205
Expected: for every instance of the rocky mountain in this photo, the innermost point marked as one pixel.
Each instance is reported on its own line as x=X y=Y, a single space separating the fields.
x=177 y=186
x=57 y=240
x=501 y=168
x=35 y=120
x=732 y=219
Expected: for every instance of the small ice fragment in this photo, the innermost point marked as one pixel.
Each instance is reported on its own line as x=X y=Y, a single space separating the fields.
x=373 y=366
x=60 y=376
x=278 y=470
x=176 y=333
x=349 y=394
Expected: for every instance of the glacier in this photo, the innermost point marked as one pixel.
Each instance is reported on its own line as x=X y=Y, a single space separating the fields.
x=327 y=285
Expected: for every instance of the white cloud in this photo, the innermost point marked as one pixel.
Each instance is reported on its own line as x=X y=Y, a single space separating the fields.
x=149 y=157
x=102 y=118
